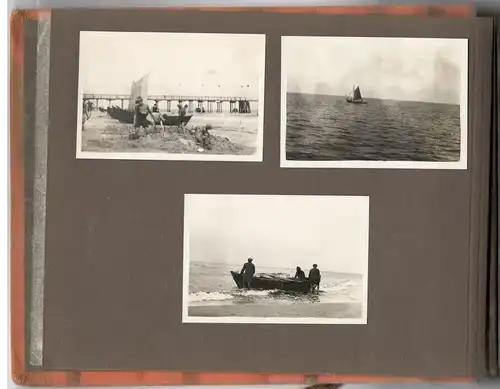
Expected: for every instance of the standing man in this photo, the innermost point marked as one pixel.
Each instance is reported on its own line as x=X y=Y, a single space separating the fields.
x=156 y=116
x=141 y=113
x=248 y=270
x=179 y=107
x=314 y=278
x=182 y=113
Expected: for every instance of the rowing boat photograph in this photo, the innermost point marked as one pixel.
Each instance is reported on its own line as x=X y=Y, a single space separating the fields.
x=275 y=259
x=374 y=102
x=182 y=96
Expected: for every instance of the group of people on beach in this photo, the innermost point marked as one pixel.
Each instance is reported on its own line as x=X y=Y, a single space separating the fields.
x=314 y=279
x=142 y=115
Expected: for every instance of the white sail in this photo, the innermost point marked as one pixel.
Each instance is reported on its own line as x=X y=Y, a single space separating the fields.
x=139 y=88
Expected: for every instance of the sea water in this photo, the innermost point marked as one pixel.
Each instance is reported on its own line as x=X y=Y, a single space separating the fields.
x=211 y=286
x=321 y=127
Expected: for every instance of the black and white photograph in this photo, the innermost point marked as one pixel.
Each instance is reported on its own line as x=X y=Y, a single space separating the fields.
x=275 y=259
x=180 y=96
x=374 y=102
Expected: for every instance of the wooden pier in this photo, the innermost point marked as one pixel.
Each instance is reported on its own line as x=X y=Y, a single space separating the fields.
x=209 y=104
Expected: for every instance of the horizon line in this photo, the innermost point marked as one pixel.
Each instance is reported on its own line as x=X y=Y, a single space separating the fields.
x=274 y=267
x=374 y=98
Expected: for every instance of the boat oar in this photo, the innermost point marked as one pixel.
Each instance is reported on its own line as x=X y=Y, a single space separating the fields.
x=161 y=122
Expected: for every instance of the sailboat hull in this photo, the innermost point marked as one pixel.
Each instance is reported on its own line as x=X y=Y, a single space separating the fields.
x=356 y=101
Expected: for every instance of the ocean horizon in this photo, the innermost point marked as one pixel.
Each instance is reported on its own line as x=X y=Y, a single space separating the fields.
x=327 y=128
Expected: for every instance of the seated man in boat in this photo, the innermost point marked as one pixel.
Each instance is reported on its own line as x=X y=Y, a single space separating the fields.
x=314 y=278
x=248 y=270
x=141 y=114
x=299 y=274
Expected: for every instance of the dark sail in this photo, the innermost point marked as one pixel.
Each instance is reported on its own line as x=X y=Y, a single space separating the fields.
x=356 y=94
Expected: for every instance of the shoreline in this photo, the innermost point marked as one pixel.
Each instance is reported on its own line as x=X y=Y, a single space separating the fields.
x=313 y=310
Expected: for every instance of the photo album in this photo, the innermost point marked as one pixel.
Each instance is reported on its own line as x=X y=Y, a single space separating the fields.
x=254 y=195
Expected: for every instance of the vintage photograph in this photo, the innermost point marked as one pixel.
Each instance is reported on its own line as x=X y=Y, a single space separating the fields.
x=359 y=102
x=275 y=259
x=182 y=96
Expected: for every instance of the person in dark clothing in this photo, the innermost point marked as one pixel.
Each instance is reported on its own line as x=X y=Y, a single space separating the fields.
x=314 y=278
x=299 y=274
x=141 y=114
x=248 y=270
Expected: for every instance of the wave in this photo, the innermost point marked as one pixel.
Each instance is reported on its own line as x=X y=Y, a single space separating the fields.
x=339 y=286
x=243 y=294
x=222 y=296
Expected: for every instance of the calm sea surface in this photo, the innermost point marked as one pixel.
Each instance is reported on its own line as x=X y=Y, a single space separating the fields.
x=321 y=127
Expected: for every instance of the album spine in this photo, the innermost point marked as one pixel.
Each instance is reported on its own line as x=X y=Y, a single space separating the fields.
x=30 y=38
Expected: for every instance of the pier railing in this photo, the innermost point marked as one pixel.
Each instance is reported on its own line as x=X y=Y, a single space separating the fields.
x=111 y=97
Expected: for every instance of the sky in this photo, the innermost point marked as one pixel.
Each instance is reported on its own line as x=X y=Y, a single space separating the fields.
x=414 y=69
x=178 y=63
x=279 y=231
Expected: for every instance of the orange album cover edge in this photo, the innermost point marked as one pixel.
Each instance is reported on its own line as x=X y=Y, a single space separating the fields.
x=20 y=373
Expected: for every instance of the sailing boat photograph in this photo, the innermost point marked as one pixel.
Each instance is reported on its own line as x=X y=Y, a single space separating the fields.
x=193 y=96
x=369 y=102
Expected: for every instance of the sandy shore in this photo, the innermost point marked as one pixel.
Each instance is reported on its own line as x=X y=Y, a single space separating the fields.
x=318 y=310
x=240 y=129
x=104 y=134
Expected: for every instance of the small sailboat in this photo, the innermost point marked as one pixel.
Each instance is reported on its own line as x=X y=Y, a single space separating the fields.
x=355 y=96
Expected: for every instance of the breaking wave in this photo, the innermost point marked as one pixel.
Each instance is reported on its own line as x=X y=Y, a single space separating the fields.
x=340 y=288
x=222 y=296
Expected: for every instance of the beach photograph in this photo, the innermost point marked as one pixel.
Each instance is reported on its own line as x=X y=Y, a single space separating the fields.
x=370 y=102
x=189 y=96
x=275 y=259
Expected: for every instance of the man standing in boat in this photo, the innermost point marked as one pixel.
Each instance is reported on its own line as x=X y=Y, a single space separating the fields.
x=248 y=270
x=314 y=278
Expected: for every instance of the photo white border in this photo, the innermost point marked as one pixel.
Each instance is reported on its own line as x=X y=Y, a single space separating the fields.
x=256 y=157
x=271 y=320
x=458 y=165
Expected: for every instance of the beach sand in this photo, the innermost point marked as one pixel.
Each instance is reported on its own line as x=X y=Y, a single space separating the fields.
x=318 y=310
x=239 y=129
x=231 y=135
